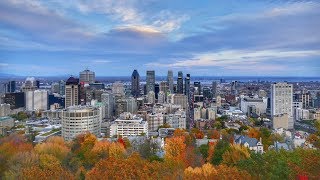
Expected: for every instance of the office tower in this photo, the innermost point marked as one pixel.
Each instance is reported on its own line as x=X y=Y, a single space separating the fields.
x=180 y=99
x=38 y=84
x=234 y=87
x=40 y=100
x=187 y=85
x=29 y=100
x=72 y=92
x=55 y=88
x=207 y=93
x=164 y=87
x=108 y=100
x=118 y=88
x=36 y=100
x=16 y=100
x=170 y=81
x=87 y=76
x=80 y=119
x=197 y=88
x=281 y=105
x=11 y=87
x=135 y=84
x=29 y=85
x=150 y=81
x=180 y=83
x=156 y=90
x=161 y=97
x=214 y=89
x=151 y=97
x=131 y=105
x=62 y=86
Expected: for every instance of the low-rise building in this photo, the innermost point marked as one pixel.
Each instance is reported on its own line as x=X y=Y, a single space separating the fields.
x=129 y=125
x=252 y=143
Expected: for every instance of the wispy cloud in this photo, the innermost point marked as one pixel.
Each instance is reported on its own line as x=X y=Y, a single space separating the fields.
x=231 y=59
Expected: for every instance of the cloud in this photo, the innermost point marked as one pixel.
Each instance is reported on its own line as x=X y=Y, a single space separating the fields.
x=232 y=58
x=40 y=23
x=101 y=61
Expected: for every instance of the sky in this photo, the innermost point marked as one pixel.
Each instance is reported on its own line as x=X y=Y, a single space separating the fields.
x=203 y=38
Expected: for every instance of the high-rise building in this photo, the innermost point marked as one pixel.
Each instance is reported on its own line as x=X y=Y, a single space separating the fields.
x=151 y=97
x=170 y=81
x=108 y=100
x=197 y=88
x=76 y=120
x=72 y=92
x=36 y=100
x=10 y=87
x=29 y=85
x=150 y=81
x=164 y=87
x=16 y=100
x=118 y=88
x=180 y=83
x=55 y=88
x=87 y=76
x=155 y=120
x=161 y=97
x=214 y=89
x=131 y=105
x=281 y=102
x=234 y=87
x=187 y=85
x=135 y=84
x=62 y=86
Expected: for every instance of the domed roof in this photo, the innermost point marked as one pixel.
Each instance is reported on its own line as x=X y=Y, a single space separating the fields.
x=72 y=80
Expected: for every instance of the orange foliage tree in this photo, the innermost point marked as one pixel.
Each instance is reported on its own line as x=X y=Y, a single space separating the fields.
x=207 y=171
x=175 y=149
x=254 y=133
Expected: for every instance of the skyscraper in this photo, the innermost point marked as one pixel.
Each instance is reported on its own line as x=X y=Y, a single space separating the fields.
x=87 y=76
x=180 y=83
x=197 y=88
x=170 y=81
x=214 y=89
x=72 y=92
x=281 y=105
x=62 y=86
x=135 y=83
x=108 y=100
x=150 y=81
x=11 y=87
x=187 y=85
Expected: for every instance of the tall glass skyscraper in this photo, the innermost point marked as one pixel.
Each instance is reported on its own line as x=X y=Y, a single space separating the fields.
x=180 y=83
x=170 y=80
x=187 y=85
x=135 y=83
x=150 y=81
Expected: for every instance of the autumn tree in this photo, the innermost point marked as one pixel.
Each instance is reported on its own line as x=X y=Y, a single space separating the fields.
x=235 y=154
x=175 y=149
x=214 y=134
x=254 y=133
x=134 y=167
x=9 y=147
x=209 y=172
x=55 y=146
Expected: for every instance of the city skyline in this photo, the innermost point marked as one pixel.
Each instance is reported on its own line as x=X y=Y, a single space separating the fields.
x=213 y=38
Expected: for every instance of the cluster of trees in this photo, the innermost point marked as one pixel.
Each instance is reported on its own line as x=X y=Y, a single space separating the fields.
x=87 y=158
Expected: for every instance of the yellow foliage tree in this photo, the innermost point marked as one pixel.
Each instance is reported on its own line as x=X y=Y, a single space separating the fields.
x=235 y=154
